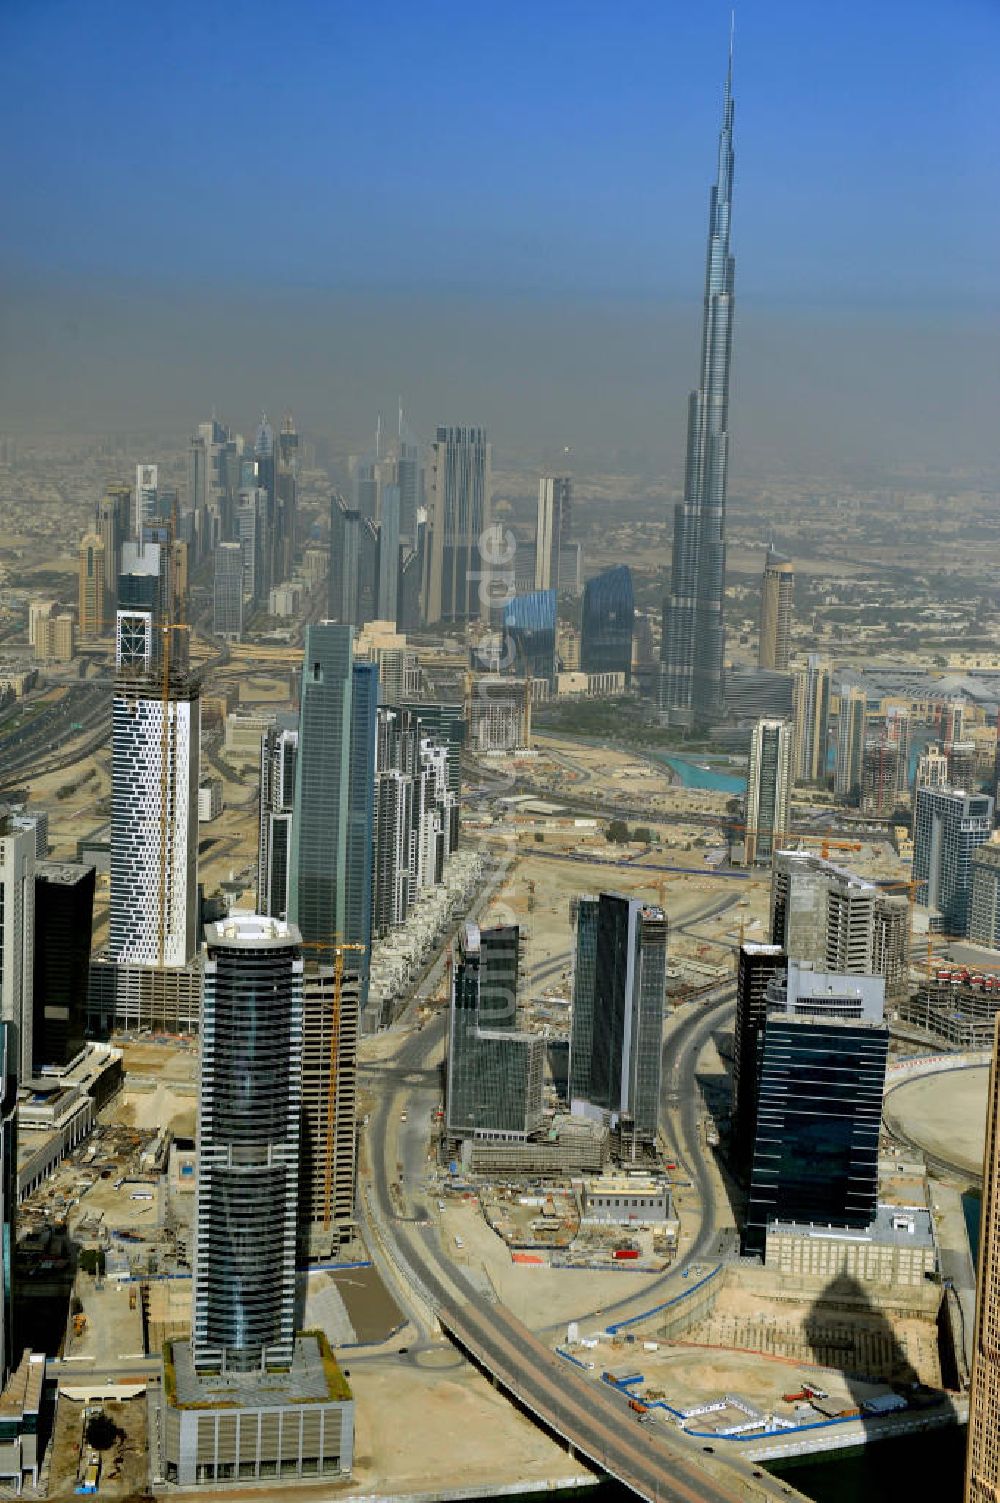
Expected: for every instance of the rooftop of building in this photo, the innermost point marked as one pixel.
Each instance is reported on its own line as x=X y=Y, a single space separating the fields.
x=314 y=1377
x=811 y=861
x=66 y=873
x=255 y=929
x=894 y=1226
x=626 y=1184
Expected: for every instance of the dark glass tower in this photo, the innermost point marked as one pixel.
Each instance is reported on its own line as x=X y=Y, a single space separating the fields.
x=248 y=1145
x=819 y=1108
x=529 y=628
x=64 y=920
x=330 y=891
x=607 y=623
x=619 y=996
x=691 y=681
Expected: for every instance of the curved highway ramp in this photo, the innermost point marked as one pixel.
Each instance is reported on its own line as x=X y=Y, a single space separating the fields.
x=595 y=1420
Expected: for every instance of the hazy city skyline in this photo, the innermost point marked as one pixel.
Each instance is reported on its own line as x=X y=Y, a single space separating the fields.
x=446 y=231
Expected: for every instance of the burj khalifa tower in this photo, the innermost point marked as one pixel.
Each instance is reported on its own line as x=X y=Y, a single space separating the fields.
x=691 y=689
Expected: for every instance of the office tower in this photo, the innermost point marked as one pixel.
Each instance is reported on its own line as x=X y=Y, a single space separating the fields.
x=932 y=769
x=368 y=571
x=388 y=556
x=332 y=828
x=93 y=586
x=113 y=522
x=155 y=738
x=494 y=1074
x=17 y=936
x=879 y=777
x=984 y=901
x=265 y=455
x=35 y=820
x=359 y=850
x=409 y=478
x=769 y=789
x=458 y=578
x=948 y=827
x=850 y=743
x=500 y=949
x=278 y=755
x=606 y=623
x=345 y=562
x=552 y=528
x=393 y=830
x=982 y=1461
x=146 y=485
x=777 y=600
x=249 y=1105
x=619 y=995
x=331 y=1021
x=693 y=648
x=529 y=635
x=755 y=966
x=64 y=920
x=446 y=723
x=8 y=1191
x=227 y=617
x=811 y=701
x=287 y=496
x=820 y=1083
x=251 y=530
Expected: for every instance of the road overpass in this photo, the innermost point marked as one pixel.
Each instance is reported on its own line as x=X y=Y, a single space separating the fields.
x=587 y=1415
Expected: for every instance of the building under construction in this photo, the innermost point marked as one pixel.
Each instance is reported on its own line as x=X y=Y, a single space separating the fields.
x=955 y=1006
x=331 y=1011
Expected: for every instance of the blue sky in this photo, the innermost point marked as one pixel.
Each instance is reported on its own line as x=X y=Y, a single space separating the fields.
x=525 y=148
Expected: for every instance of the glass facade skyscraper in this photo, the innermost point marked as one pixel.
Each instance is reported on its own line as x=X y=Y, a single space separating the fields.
x=949 y=825
x=330 y=892
x=459 y=504
x=607 y=623
x=619 y=996
x=529 y=629
x=692 y=654
x=249 y=1106
x=494 y=1081
x=821 y=1062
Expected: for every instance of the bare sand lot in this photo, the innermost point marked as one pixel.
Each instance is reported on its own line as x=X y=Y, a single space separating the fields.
x=945 y=1115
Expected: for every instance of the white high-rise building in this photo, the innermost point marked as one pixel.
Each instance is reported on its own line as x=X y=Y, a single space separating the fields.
x=17 y=934
x=154 y=821
x=552 y=525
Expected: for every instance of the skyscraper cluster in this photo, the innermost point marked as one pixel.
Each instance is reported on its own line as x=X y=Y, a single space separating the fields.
x=495 y=1070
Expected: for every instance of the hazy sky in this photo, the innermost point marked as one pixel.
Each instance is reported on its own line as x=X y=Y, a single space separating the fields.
x=500 y=209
